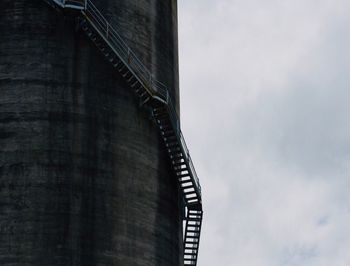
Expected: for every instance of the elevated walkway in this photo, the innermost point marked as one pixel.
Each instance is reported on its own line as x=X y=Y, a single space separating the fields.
x=156 y=96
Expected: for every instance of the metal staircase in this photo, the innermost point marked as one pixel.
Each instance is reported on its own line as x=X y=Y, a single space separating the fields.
x=192 y=235
x=156 y=96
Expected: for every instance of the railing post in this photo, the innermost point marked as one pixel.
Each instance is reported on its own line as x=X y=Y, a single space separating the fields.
x=129 y=55
x=85 y=5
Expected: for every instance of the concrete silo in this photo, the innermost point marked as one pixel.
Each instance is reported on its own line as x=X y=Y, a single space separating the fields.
x=93 y=166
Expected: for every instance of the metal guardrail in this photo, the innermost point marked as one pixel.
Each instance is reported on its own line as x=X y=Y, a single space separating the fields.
x=129 y=58
x=155 y=88
x=158 y=91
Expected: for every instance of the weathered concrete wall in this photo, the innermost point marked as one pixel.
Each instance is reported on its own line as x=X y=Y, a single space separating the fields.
x=84 y=176
x=150 y=28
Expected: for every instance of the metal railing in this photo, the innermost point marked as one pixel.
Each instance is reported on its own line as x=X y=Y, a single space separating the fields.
x=129 y=58
x=155 y=88
x=158 y=91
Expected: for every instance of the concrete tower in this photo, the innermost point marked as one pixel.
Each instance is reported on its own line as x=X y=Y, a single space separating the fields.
x=84 y=176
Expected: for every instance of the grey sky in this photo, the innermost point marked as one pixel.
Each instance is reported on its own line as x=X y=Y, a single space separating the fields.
x=265 y=104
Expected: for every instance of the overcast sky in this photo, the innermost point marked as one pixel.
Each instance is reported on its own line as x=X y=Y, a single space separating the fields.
x=265 y=104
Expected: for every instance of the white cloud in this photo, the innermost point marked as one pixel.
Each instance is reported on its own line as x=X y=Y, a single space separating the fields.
x=264 y=88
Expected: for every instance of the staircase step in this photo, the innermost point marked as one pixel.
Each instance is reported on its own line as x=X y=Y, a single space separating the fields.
x=192 y=216
x=143 y=94
x=164 y=121
x=118 y=64
x=190 y=245
x=189 y=190
x=195 y=220
x=191 y=257
x=127 y=73
x=135 y=84
x=165 y=126
x=140 y=89
x=187 y=186
x=159 y=109
x=193 y=231
x=178 y=163
x=192 y=197
x=168 y=133
x=161 y=116
x=171 y=138
x=143 y=102
x=190 y=239
x=123 y=67
x=190 y=194
x=191 y=253
x=185 y=179
x=172 y=144
x=183 y=175
x=175 y=156
x=192 y=202
x=132 y=79
x=174 y=149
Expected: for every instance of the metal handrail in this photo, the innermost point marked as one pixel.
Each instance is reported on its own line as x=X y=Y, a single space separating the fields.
x=157 y=91
x=155 y=88
x=120 y=47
